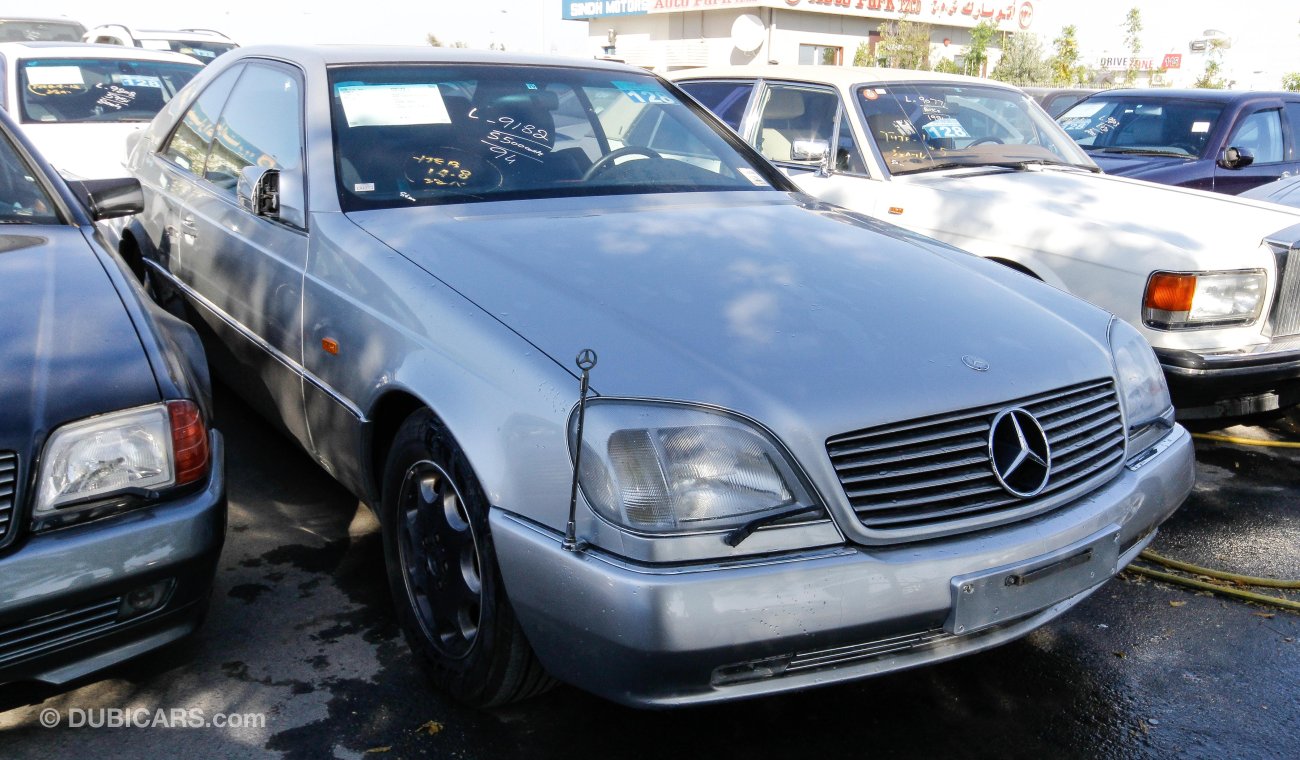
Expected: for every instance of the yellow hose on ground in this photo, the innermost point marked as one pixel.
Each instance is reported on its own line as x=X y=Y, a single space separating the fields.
x=1246 y=441
x=1245 y=580
x=1285 y=604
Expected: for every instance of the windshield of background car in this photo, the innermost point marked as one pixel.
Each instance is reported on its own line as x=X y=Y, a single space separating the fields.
x=202 y=50
x=445 y=133
x=42 y=31
x=1153 y=126
x=24 y=200
x=61 y=90
x=938 y=125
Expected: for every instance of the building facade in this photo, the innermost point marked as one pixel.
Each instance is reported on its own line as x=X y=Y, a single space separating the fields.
x=664 y=35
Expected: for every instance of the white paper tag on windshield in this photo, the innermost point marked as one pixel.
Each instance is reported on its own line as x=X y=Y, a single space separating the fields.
x=387 y=105
x=754 y=177
x=54 y=75
x=1200 y=126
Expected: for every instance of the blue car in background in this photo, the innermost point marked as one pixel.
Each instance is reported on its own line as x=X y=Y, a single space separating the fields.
x=1217 y=140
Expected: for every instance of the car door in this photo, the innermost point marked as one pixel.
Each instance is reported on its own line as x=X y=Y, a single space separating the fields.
x=247 y=269
x=1261 y=129
x=805 y=130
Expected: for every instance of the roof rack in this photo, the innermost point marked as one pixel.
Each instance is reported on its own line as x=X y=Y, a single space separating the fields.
x=209 y=31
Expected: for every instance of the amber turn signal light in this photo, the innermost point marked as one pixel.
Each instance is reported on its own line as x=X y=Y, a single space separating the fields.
x=1170 y=292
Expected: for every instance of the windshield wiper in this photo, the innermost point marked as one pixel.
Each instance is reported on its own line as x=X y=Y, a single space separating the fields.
x=1014 y=165
x=745 y=531
x=1138 y=151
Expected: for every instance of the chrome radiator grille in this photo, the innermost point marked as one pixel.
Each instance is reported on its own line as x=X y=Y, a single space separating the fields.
x=928 y=472
x=1285 y=316
x=8 y=491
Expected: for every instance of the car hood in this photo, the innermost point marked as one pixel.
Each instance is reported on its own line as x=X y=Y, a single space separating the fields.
x=67 y=346
x=84 y=151
x=1133 y=165
x=755 y=302
x=1068 y=212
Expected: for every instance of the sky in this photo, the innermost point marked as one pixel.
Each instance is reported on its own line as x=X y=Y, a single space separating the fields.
x=1265 y=32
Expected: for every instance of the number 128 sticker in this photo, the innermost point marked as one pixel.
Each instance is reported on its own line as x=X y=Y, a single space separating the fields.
x=940 y=128
x=645 y=92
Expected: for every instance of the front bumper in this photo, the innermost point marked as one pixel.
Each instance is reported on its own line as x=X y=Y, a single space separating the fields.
x=61 y=593
x=666 y=636
x=1233 y=383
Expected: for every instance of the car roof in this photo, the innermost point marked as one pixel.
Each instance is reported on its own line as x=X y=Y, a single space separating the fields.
x=334 y=55
x=1225 y=96
x=839 y=76
x=164 y=34
x=82 y=49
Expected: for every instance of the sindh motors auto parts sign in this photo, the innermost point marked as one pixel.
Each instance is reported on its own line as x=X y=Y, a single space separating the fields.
x=1007 y=16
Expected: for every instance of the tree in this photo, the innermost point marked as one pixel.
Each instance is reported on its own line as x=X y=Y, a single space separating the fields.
x=862 y=56
x=904 y=45
x=1064 y=63
x=1022 y=61
x=433 y=40
x=1211 y=79
x=977 y=51
x=1291 y=81
x=947 y=66
x=1133 y=42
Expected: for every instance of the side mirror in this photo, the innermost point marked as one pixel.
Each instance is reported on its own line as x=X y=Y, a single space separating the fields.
x=258 y=191
x=109 y=198
x=1236 y=158
x=812 y=151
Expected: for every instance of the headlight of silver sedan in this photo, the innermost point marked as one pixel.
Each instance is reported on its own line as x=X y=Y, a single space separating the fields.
x=1184 y=301
x=1142 y=388
x=101 y=465
x=662 y=468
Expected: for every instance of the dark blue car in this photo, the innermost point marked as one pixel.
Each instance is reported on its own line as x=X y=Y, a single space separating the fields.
x=112 y=495
x=1219 y=140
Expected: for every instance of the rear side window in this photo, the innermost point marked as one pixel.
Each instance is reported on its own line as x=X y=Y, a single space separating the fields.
x=189 y=144
x=725 y=99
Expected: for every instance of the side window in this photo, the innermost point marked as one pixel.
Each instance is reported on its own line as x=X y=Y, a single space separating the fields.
x=1261 y=133
x=189 y=144
x=725 y=99
x=1293 y=116
x=794 y=121
x=848 y=158
x=260 y=125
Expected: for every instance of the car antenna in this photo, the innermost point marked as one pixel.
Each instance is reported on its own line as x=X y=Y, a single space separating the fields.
x=586 y=360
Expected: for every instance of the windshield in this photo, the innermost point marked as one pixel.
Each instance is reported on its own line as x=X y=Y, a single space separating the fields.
x=12 y=30
x=939 y=125
x=98 y=89
x=201 y=50
x=1151 y=125
x=442 y=133
x=25 y=201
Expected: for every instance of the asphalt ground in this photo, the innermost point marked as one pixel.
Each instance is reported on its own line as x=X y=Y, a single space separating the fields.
x=301 y=632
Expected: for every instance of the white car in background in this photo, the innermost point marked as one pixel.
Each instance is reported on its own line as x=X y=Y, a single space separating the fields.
x=204 y=45
x=978 y=164
x=78 y=102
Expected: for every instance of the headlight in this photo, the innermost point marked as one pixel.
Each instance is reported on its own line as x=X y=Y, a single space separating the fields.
x=1142 y=389
x=1183 y=301
x=114 y=461
x=664 y=468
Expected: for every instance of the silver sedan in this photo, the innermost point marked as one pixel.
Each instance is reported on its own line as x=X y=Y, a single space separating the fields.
x=809 y=447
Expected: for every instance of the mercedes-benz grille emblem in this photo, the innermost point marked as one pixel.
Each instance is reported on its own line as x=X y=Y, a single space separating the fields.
x=1019 y=453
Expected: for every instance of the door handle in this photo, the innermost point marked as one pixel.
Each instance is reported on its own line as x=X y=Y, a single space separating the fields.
x=188 y=223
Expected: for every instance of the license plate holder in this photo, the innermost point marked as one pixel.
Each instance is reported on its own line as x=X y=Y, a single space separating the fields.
x=990 y=597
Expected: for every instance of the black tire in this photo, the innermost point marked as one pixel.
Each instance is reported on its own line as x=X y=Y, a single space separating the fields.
x=443 y=574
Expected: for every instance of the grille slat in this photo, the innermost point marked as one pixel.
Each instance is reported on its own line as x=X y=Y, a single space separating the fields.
x=8 y=489
x=58 y=629
x=1286 y=302
x=950 y=477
